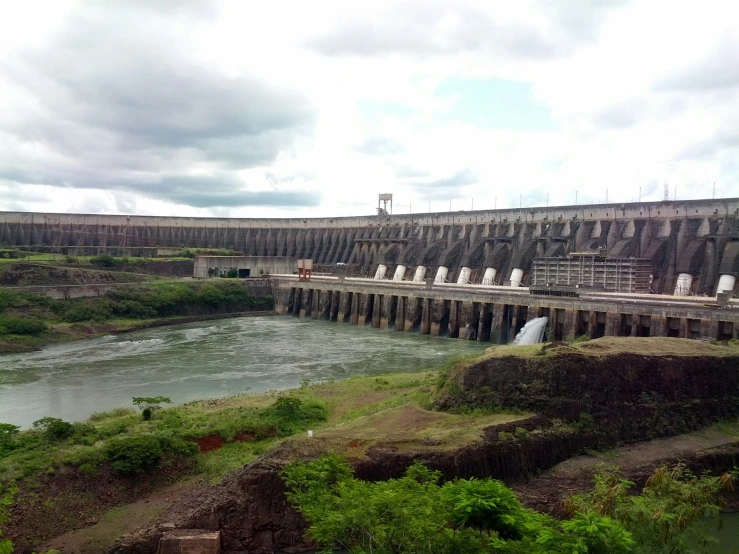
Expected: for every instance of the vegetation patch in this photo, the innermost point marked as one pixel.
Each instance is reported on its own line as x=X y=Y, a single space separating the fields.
x=29 y=320
x=418 y=514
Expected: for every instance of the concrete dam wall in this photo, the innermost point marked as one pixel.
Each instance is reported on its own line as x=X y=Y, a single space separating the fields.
x=695 y=239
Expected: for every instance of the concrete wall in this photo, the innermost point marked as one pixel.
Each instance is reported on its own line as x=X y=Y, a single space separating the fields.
x=698 y=237
x=496 y=315
x=267 y=265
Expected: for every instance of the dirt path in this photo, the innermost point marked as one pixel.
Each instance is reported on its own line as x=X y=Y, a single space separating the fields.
x=546 y=492
x=101 y=534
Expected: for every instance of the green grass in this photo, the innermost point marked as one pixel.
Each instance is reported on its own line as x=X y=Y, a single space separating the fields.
x=369 y=410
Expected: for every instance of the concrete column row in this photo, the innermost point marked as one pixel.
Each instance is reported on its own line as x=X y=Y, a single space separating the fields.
x=486 y=322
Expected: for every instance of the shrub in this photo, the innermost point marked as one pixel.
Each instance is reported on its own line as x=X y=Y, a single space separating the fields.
x=522 y=434
x=134 y=454
x=71 y=259
x=585 y=422
x=53 y=428
x=503 y=436
x=99 y=310
x=21 y=326
x=232 y=273
x=104 y=260
x=7 y=432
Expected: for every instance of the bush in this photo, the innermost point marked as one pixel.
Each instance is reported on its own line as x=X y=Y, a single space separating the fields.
x=522 y=434
x=104 y=260
x=585 y=422
x=232 y=273
x=7 y=432
x=100 y=310
x=71 y=259
x=134 y=454
x=21 y=326
x=53 y=428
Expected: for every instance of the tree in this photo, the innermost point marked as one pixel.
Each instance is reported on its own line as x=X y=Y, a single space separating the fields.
x=149 y=404
x=53 y=428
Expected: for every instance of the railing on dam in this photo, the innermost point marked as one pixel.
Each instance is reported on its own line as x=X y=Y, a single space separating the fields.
x=496 y=314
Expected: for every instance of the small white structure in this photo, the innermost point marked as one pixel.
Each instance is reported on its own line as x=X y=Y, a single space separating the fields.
x=464 y=276
x=516 y=277
x=399 y=273
x=726 y=283
x=682 y=287
x=489 y=277
x=420 y=274
x=441 y=274
x=381 y=271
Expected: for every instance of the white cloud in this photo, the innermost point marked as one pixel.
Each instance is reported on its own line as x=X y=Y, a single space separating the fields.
x=641 y=92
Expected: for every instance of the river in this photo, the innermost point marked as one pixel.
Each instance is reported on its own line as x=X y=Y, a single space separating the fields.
x=205 y=360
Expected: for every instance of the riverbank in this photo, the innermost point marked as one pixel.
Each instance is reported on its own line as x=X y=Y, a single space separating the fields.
x=30 y=321
x=380 y=423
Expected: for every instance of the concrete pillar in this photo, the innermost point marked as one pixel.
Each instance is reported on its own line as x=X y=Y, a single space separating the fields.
x=306 y=303
x=411 y=312
x=437 y=314
x=420 y=275
x=635 y=324
x=362 y=314
x=613 y=321
x=377 y=310
x=297 y=302
x=354 y=310
x=658 y=327
x=454 y=315
x=465 y=323
x=315 y=309
x=426 y=316
x=282 y=300
x=569 y=324
x=344 y=308
x=400 y=313
x=497 y=324
x=389 y=304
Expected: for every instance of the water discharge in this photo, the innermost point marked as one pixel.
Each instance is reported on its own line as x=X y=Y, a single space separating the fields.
x=205 y=360
x=532 y=332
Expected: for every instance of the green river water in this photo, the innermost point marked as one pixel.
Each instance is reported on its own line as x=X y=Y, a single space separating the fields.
x=205 y=360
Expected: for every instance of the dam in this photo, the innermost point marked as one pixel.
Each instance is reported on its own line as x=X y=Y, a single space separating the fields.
x=692 y=244
x=650 y=269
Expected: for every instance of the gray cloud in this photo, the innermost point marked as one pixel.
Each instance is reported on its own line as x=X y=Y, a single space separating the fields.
x=718 y=70
x=622 y=115
x=223 y=191
x=441 y=188
x=727 y=138
x=117 y=101
x=420 y=28
x=380 y=146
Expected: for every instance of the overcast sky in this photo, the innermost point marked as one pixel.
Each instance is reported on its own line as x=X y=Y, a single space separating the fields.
x=256 y=109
